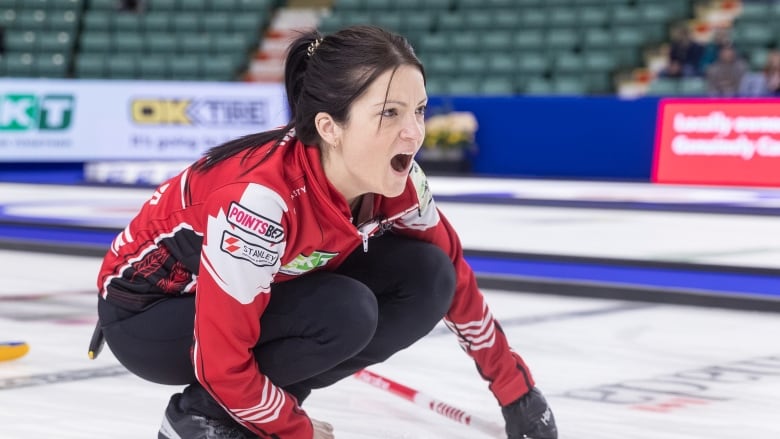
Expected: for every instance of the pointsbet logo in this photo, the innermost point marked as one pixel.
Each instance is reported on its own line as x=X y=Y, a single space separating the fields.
x=205 y=112
x=25 y=112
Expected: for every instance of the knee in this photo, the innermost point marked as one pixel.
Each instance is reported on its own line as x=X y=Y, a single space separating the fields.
x=437 y=278
x=353 y=316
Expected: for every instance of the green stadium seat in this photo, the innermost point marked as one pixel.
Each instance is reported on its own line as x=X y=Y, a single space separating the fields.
x=8 y=4
x=593 y=17
x=96 y=42
x=755 y=11
x=562 y=17
x=105 y=5
x=98 y=20
x=625 y=16
x=31 y=20
x=194 y=43
x=496 y=41
x=224 y=5
x=472 y=64
x=497 y=86
x=538 y=87
x=596 y=38
x=129 y=42
x=754 y=34
x=533 y=19
x=18 y=65
x=219 y=68
x=230 y=43
x=156 y=22
x=185 y=22
x=441 y=64
x=16 y=42
x=436 y=86
x=663 y=87
x=66 y=5
x=215 y=22
x=598 y=83
x=655 y=13
x=349 y=5
x=263 y=6
x=249 y=24
x=51 y=42
x=90 y=65
x=535 y=64
x=627 y=36
x=390 y=21
x=502 y=64
x=8 y=19
x=561 y=39
x=464 y=86
x=692 y=87
x=479 y=20
x=434 y=43
x=569 y=85
x=163 y=5
x=464 y=41
x=153 y=67
x=451 y=21
x=185 y=67
x=600 y=61
x=51 y=66
x=127 y=23
x=121 y=67
x=529 y=40
x=568 y=63
x=63 y=21
x=507 y=19
x=378 y=5
x=160 y=43
x=193 y=5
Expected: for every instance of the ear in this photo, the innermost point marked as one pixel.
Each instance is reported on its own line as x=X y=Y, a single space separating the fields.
x=328 y=129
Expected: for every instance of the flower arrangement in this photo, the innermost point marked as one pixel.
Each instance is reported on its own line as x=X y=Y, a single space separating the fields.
x=450 y=131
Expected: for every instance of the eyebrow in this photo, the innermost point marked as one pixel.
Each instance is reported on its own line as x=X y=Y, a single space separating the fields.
x=403 y=104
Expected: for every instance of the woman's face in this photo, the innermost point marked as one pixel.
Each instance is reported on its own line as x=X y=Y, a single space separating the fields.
x=374 y=148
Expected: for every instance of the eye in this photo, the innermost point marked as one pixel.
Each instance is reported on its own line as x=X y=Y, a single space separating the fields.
x=389 y=112
x=421 y=109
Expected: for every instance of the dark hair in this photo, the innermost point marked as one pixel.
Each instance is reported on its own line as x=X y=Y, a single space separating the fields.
x=324 y=77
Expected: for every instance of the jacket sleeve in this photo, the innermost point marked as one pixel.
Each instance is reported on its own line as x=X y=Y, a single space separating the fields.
x=243 y=245
x=469 y=316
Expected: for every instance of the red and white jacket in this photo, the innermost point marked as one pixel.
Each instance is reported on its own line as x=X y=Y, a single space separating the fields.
x=227 y=234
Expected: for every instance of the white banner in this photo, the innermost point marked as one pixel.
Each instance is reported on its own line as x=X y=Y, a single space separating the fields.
x=43 y=120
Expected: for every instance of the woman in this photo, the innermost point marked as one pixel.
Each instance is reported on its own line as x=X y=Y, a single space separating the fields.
x=287 y=260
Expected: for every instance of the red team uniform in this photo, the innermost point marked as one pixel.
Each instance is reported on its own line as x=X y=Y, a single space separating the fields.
x=227 y=234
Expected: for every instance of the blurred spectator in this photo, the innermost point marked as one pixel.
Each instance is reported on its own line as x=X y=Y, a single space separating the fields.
x=136 y=6
x=763 y=83
x=711 y=50
x=725 y=74
x=684 y=55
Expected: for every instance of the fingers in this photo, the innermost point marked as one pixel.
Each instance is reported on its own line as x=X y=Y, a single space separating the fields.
x=322 y=430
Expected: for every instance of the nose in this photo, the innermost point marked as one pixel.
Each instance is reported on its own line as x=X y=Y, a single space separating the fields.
x=413 y=129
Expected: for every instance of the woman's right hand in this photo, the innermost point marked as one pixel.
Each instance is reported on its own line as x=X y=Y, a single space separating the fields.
x=322 y=430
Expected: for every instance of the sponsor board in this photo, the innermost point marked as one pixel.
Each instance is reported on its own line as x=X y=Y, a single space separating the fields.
x=94 y=120
x=718 y=142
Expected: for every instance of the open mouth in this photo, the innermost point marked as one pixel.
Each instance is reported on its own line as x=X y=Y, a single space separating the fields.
x=401 y=162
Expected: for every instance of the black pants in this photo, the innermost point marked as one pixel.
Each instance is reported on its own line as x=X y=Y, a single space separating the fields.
x=316 y=330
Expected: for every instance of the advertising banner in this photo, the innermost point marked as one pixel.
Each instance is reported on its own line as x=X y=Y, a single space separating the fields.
x=718 y=142
x=77 y=120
